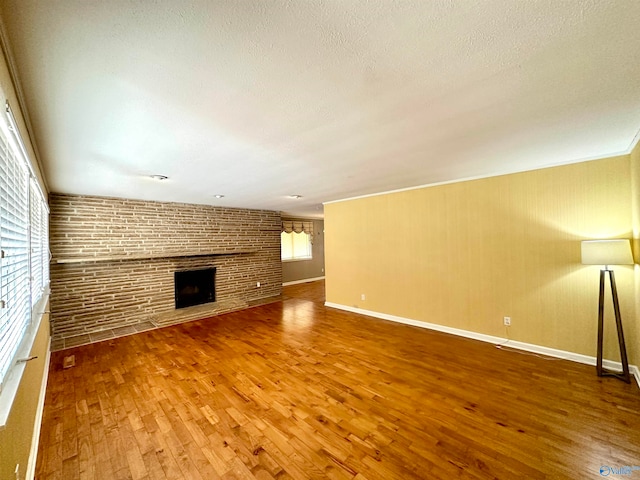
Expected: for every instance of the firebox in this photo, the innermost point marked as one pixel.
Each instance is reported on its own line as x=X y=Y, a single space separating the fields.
x=195 y=287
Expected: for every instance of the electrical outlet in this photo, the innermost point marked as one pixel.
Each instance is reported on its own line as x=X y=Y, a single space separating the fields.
x=507 y=321
x=362 y=297
x=258 y=284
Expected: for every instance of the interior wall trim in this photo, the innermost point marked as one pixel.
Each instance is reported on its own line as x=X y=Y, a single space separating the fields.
x=304 y=280
x=528 y=347
x=493 y=174
x=35 y=440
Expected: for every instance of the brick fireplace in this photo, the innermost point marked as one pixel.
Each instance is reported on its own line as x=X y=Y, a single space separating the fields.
x=114 y=260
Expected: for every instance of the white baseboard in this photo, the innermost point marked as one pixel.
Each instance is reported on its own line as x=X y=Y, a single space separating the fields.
x=304 y=280
x=551 y=352
x=33 y=454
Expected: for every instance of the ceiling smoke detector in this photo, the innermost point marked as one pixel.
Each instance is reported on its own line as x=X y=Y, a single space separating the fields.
x=159 y=177
x=296 y=197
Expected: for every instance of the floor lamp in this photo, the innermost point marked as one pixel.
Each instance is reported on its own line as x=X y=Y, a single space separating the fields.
x=609 y=252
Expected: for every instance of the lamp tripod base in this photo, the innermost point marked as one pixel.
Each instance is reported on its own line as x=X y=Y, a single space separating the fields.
x=602 y=372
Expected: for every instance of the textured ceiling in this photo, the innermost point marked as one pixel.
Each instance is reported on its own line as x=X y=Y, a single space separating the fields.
x=258 y=100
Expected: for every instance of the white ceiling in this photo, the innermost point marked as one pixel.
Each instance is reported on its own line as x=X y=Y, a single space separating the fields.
x=258 y=100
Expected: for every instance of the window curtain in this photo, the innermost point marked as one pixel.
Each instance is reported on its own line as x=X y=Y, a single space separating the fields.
x=298 y=226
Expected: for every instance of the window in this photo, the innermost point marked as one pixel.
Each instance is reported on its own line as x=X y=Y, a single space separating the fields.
x=14 y=243
x=24 y=251
x=296 y=239
x=295 y=246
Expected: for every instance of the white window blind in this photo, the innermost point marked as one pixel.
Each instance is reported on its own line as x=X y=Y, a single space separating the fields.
x=35 y=227
x=44 y=244
x=24 y=258
x=15 y=308
x=295 y=246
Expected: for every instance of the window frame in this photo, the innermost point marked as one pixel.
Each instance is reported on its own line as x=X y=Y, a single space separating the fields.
x=24 y=239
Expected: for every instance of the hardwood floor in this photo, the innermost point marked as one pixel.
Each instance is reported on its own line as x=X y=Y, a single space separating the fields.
x=295 y=390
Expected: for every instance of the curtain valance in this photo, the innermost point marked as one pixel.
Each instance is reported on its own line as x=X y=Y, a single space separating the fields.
x=298 y=226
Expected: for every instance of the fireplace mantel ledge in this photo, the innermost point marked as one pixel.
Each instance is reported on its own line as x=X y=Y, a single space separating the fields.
x=114 y=258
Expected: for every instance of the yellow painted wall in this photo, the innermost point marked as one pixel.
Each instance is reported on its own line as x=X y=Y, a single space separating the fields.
x=466 y=254
x=16 y=437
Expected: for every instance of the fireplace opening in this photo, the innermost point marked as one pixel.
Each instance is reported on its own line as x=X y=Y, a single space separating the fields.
x=195 y=287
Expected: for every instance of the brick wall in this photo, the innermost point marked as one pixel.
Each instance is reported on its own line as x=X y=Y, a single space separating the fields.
x=113 y=259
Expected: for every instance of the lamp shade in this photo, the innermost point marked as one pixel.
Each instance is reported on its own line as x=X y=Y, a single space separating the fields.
x=606 y=252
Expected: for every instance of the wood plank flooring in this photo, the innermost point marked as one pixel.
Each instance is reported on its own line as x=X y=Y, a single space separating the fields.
x=295 y=390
